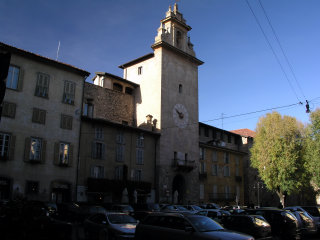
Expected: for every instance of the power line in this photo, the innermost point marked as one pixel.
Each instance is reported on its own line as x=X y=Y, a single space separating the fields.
x=282 y=50
x=272 y=49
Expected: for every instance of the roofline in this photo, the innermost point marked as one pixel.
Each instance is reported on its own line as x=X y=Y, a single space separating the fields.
x=202 y=144
x=206 y=125
x=100 y=120
x=135 y=61
x=175 y=19
x=117 y=77
x=46 y=60
x=184 y=54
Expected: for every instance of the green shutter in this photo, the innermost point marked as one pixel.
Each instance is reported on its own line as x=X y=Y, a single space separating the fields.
x=27 y=149
x=11 y=147
x=70 y=155
x=56 y=153
x=20 y=82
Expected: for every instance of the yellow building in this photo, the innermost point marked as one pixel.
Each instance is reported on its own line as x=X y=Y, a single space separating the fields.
x=221 y=166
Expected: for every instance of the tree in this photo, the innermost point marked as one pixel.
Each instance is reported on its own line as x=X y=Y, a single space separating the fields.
x=312 y=148
x=277 y=154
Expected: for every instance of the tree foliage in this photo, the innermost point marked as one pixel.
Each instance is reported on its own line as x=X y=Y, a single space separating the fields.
x=312 y=148
x=277 y=154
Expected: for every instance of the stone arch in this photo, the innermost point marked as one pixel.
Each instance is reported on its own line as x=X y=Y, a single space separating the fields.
x=178 y=184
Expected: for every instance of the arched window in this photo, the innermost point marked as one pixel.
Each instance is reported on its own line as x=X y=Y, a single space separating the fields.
x=178 y=39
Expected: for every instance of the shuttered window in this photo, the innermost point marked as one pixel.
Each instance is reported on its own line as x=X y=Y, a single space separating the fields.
x=8 y=109
x=39 y=116
x=42 y=87
x=66 y=122
x=69 y=92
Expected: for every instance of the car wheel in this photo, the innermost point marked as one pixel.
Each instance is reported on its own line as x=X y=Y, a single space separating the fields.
x=103 y=235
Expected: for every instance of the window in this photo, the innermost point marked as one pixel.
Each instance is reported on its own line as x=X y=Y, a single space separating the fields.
x=64 y=152
x=39 y=116
x=206 y=132
x=227 y=192
x=202 y=153
x=69 y=92
x=201 y=191
x=13 y=77
x=6 y=146
x=214 y=156
x=140 y=70
x=137 y=175
x=35 y=149
x=97 y=172
x=117 y=87
x=66 y=122
x=120 y=147
x=129 y=90
x=215 y=191
x=226 y=171
x=118 y=173
x=180 y=88
x=229 y=138
x=140 y=150
x=42 y=87
x=214 y=169
x=8 y=109
x=179 y=38
x=226 y=157
x=203 y=167
x=99 y=133
x=237 y=166
x=88 y=109
x=32 y=187
x=98 y=150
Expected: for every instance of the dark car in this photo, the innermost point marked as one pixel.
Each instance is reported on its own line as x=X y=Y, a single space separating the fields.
x=284 y=224
x=253 y=225
x=176 y=226
x=125 y=208
x=110 y=225
x=306 y=222
x=313 y=211
x=142 y=210
x=193 y=208
x=215 y=214
x=174 y=208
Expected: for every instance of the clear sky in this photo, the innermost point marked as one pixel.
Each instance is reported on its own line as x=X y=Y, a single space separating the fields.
x=241 y=73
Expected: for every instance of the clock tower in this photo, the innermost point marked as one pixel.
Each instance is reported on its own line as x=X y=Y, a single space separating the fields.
x=168 y=80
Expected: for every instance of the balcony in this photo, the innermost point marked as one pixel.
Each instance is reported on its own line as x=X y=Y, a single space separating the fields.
x=183 y=165
x=218 y=197
x=202 y=176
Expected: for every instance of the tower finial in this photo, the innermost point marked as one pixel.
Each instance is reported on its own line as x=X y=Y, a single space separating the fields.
x=169 y=10
x=175 y=8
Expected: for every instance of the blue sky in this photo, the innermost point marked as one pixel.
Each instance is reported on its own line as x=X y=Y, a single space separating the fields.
x=240 y=75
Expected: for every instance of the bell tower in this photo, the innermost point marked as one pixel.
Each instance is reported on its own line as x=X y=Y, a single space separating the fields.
x=168 y=80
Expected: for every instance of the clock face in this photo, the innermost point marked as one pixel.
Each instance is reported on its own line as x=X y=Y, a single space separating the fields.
x=180 y=115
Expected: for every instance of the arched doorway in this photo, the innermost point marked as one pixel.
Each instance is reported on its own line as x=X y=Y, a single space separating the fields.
x=178 y=185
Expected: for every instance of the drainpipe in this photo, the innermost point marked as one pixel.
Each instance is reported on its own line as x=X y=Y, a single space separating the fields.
x=79 y=142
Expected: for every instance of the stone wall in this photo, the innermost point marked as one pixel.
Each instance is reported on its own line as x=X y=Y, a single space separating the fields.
x=111 y=105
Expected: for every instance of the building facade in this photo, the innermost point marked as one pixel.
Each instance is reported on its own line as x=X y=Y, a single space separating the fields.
x=40 y=127
x=168 y=85
x=221 y=169
x=117 y=157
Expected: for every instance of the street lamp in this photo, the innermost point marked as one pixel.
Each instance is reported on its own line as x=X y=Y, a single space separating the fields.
x=257 y=186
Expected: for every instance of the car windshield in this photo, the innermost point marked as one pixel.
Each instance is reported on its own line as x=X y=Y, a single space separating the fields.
x=314 y=211
x=205 y=224
x=121 y=218
x=197 y=208
x=181 y=208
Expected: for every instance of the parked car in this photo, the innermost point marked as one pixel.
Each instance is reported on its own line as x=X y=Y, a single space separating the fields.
x=142 y=210
x=313 y=211
x=254 y=225
x=177 y=226
x=125 y=208
x=110 y=225
x=212 y=206
x=306 y=222
x=215 y=214
x=193 y=208
x=284 y=224
x=174 y=208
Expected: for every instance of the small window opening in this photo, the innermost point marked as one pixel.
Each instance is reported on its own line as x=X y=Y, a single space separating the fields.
x=180 y=88
x=140 y=70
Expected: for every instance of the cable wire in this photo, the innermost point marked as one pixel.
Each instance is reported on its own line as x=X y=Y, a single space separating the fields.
x=282 y=50
x=273 y=51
